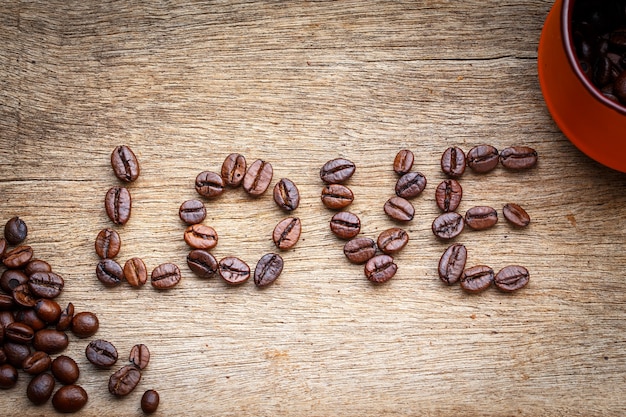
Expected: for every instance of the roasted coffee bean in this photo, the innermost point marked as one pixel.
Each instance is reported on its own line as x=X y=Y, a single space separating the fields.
x=192 y=212
x=17 y=257
x=392 y=240
x=124 y=381
x=16 y=353
x=345 y=225
x=108 y=243
x=360 y=249
x=46 y=284
x=403 y=162
x=481 y=217
x=619 y=87
x=149 y=401
x=65 y=320
x=268 y=269
x=65 y=369
x=8 y=376
x=6 y=302
x=516 y=215
x=286 y=195
x=19 y=333
x=37 y=265
x=118 y=205
x=109 y=272
x=165 y=276
x=36 y=363
x=135 y=272
x=3 y=356
x=286 y=233
x=209 y=184
x=337 y=171
x=29 y=317
x=448 y=195
x=448 y=225
x=15 y=231
x=23 y=296
x=11 y=278
x=511 y=278
x=258 y=177
x=50 y=341
x=399 y=209
x=101 y=353
x=337 y=196
x=452 y=264
x=200 y=236
x=47 y=310
x=477 y=278
x=233 y=270
x=453 y=162
x=482 y=158
x=69 y=399
x=518 y=157
x=40 y=388
x=202 y=263
x=602 y=71
x=124 y=163
x=6 y=318
x=380 y=268
x=234 y=169
x=139 y=356
x=85 y=324
x=410 y=185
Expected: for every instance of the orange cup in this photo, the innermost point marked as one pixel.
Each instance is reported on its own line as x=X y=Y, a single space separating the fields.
x=593 y=123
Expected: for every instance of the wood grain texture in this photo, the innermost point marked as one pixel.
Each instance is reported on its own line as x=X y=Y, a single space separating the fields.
x=185 y=83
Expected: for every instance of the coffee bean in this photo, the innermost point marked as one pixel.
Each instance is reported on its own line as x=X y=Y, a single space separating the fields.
x=15 y=231
x=36 y=363
x=518 y=157
x=209 y=184
x=452 y=263
x=85 y=324
x=18 y=333
x=516 y=215
x=135 y=272
x=40 y=388
x=345 y=225
x=6 y=302
x=482 y=158
x=165 y=276
x=11 y=278
x=286 y=233
x=17 y=257
x=619 y=87
x=101 y=353
x=234 y=169
x=118 y=204
x=149 y=401
x=380 y=268
x=3 y=356
x=46 y=284
x=602 y=71
x=29 y=317
x=453 y=162
x=108 y=243
x=258 y=177
x=109 y=272
x=477 y=278
x=200 y=236
x=65 y=370
x=337 y=196
x=6 y=318
x=124 y=381
x=268 y=269
x=69 y=399
x=125 y=164
x=37 y=265
x=360 y=249
x=481 y=217
x=448 y=195
x=50 y=341
x=192 y=211
x=47 y=310
x=337 y=171
x=512 y=278
x=286 y=195
x=139 y=356
x=410 y=185
x=233 y=270
x=23 y=296
x=448 y=225
x=8 y=376
x=392 y=240
x=16 y=353
x=202 y=263
x=399 y=209
x=65 y=320
x=403 y=162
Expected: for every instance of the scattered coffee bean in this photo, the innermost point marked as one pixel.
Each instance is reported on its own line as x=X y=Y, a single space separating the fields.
x=101 y=353
x=50 y=341
x=37 y=265
x=65 y=320
x=202 y=263
x=29 y=317
x=8 y=376
x=109 y=272
x=124 y=163
x=6 y=302
x=192 y=212
x=399 y=209
x=258 y=177
x=36 y=363
x=200 y=236
x=40 y=388
x=149 y=401
x=17 y=257
x=233 y=270
x=65 y=369
x=448 y=195
x=477 y=278
x=165 y=276
x=19 y=333
x=124 y=381
x=337 y=171
x=481 y=217
x=337 y=196
x=403 y=162
x=234 y=169
x=345 y=225
x=85 y=324
x=15 y=231
x=518 y=157
x=23 y=296
x=380 y=268
x=512 y=278
x=108 y=243
x=46 y=284
x=118 y=204
x=209 y=184
x=360 y=249
x=448 y=225
x=452 y=264
x=453 y=162
x=516 y=215
x=482 y=158
x=268 y=269
x=410 y=185
x=139 y=356
x=11 y=278
x=286 y=233
x=286 y=195
x=135 y=272
x=392 y=240
x=16 y=353
x=69 y=399
x=47 y=310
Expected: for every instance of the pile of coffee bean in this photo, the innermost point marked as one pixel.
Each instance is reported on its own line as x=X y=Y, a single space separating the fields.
x=255 y=180
x=118 y=203
x=599 y=34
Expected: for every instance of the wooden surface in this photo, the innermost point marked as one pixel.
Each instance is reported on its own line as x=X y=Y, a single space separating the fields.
x=297 y=83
